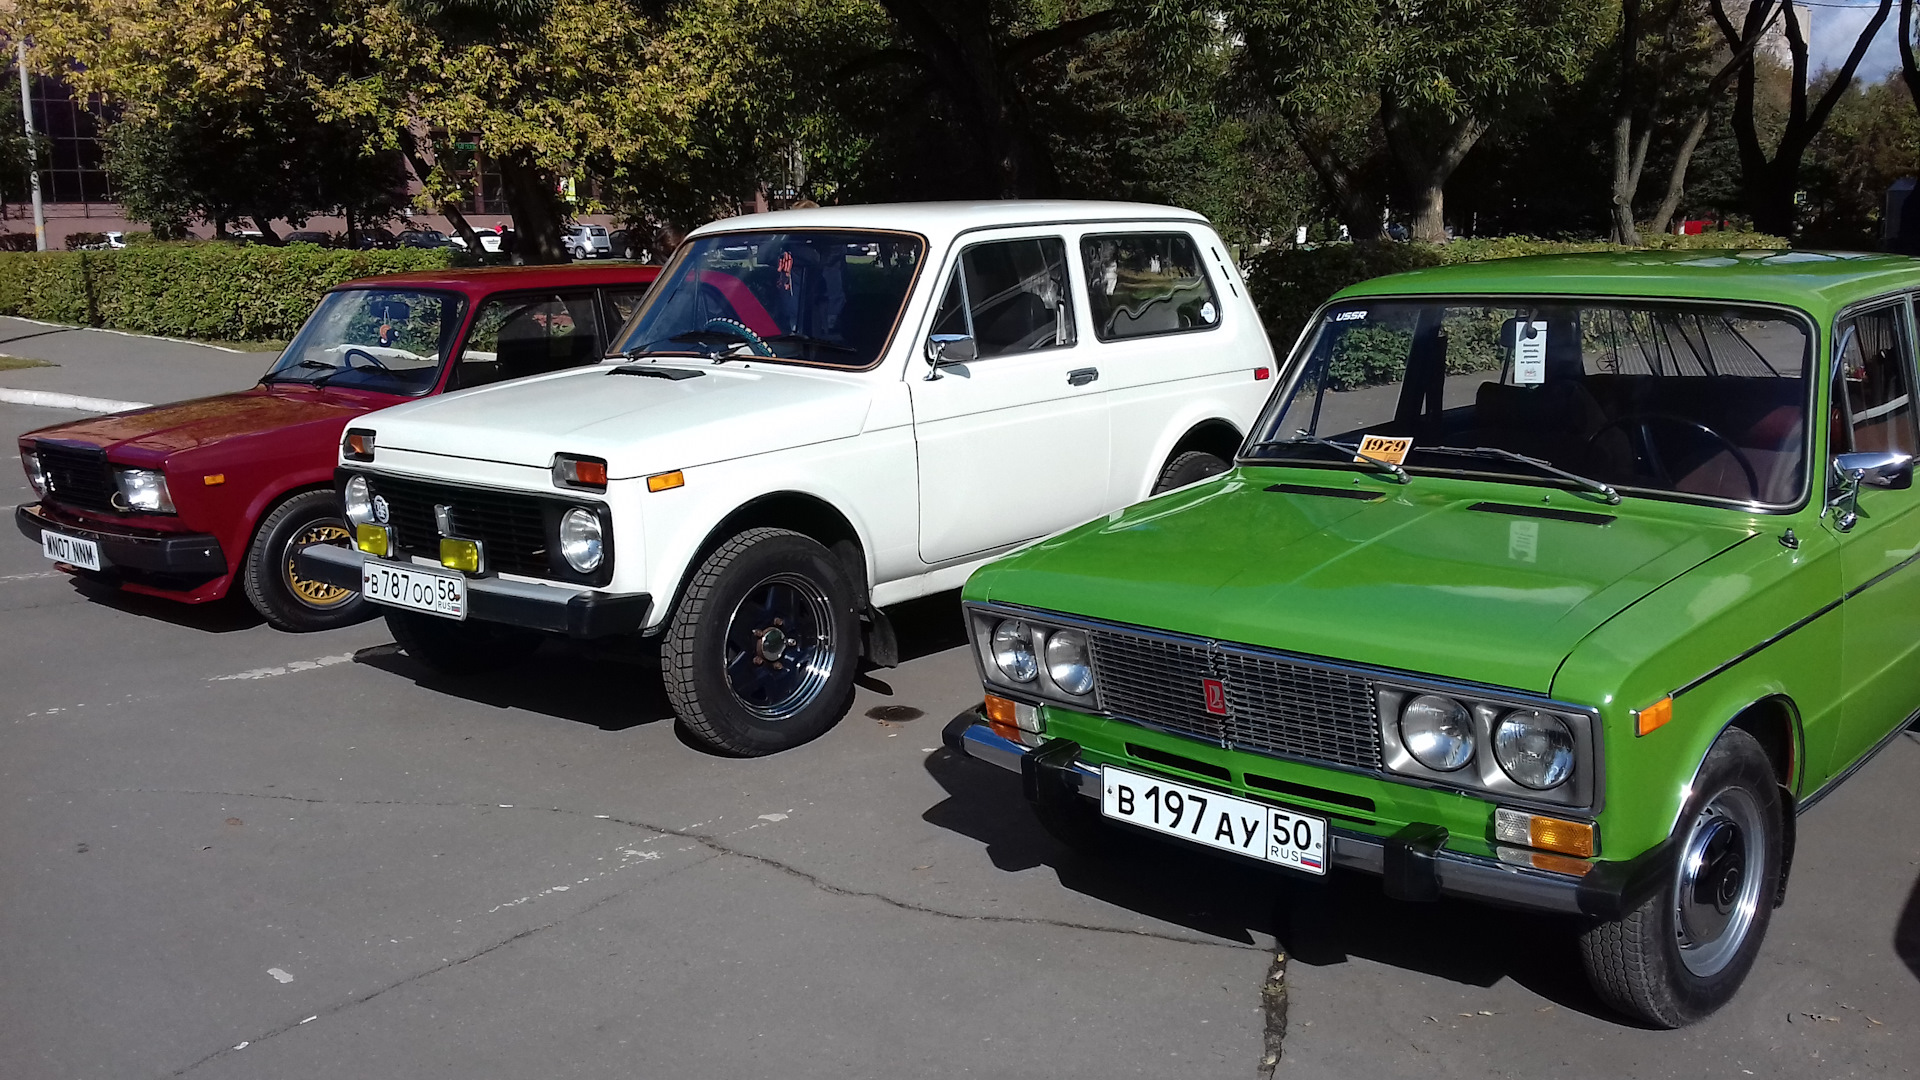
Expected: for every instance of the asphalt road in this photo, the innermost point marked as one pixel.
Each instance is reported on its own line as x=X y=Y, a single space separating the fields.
x=231 y=852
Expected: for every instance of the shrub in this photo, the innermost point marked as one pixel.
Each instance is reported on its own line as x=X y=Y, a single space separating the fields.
x=76 y=241
x=196 y=290
x=1288 y=284
x=17 y=241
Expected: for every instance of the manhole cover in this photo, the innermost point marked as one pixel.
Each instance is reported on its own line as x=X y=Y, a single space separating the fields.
x=895 y=714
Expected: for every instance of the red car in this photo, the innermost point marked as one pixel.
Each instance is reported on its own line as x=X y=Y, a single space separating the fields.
x=193 y=499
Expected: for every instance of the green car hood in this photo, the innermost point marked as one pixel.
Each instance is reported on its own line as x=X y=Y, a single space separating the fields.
x=1417 y=579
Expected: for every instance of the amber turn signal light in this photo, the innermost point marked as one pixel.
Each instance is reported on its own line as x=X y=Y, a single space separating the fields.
x=579 y=472
x=1653 y=716
x=358 y=445
x=214 y=479
x=1545 y=833
x=372 y=539
x=666 y=481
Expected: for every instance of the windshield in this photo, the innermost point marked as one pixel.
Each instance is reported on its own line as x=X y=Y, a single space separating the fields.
x=389 y=340
x=1700 y=400
x=821 y=297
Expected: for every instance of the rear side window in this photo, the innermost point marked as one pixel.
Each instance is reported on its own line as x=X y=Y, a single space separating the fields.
x=529 y=334
x=1143 y=284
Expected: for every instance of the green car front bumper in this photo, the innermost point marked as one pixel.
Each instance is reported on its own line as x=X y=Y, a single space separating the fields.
x=1413 y=862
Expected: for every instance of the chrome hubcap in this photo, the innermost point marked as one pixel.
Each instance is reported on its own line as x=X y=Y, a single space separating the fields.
x=779 y=649
x=1717 y=895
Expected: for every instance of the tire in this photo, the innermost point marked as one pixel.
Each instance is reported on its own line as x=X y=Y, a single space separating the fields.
x=1683 y=953
x=288 y=600
x=461 y=648
x=1190 y=467
x=761 y=653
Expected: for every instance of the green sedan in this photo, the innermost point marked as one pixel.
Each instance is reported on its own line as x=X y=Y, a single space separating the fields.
x=1563 y=583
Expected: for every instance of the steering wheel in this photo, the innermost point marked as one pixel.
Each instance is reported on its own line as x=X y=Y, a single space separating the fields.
x=1660 y=470
x=348 y=354
x=734 y=326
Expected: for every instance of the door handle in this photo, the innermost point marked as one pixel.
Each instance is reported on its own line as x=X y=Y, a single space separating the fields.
x=1082 y=376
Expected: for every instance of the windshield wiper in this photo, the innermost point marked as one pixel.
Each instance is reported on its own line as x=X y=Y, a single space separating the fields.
x=319 y=365
x=808 y=339
x=1597 y=487
x=1399 y=474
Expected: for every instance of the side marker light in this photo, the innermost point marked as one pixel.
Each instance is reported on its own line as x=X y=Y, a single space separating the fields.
x=1653 y=716
x=666 y=481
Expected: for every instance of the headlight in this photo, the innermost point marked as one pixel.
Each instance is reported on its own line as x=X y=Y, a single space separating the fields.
x=144 y=489
x=1067 y=662
x=1437 y=731
x=1534 y=748
x=580 y=539
x=358 y=500
x=35 y=474
x=1013 y=651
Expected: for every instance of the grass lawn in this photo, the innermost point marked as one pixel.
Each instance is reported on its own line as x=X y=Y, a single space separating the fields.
x=9 y=363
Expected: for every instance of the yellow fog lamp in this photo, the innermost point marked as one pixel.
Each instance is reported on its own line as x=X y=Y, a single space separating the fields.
x=372 y=539
x=460 y=554
x=1545 y=833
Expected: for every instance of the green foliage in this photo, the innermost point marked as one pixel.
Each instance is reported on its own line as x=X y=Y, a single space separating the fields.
x=1288 y=284
x=196 y=290
x=77 y=240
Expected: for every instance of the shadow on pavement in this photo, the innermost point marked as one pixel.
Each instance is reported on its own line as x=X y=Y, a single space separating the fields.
x=1906 y=932
x=222 y=616
x=594 y=686
x=1318 y=923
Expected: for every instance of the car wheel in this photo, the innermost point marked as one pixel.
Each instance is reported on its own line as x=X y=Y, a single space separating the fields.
x=274 y=585
x=461 y=648
x=761 y=653
x=1684 y=952
x=1188 y=468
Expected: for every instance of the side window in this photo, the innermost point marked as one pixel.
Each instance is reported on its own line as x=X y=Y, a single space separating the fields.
x=1873 y=399
x=1010 y=296
x=529 y=334
x=1141 y=284
x=624 y=301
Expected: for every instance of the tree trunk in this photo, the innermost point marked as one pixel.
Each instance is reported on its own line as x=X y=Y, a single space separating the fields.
x=1426 y=174
x=267 y=234
x=1626 y=178
x=410 y=149
x=1358 y=209
x=537 y=215
x=1677 y=178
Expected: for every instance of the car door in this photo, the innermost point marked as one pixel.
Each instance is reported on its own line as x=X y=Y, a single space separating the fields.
x=1013 y=442
x=1873 y=411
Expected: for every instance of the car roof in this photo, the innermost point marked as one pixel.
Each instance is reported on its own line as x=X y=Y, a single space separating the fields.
x=481 y=280
x=1818 y=282
x=940 y=221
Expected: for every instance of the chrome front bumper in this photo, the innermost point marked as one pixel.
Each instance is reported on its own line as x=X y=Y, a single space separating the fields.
x=1413 y=863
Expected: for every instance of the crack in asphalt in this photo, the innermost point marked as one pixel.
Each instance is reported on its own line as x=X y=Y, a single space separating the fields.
x=715 y=845
x=417 y=976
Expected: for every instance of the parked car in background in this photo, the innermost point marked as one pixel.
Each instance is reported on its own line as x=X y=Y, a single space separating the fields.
x=370 y=237
x=1562 y=583
x=587 y=241
x=309 y=236
x=799 y=438
x=196 y=499
x=630 y=244
x=423 y=238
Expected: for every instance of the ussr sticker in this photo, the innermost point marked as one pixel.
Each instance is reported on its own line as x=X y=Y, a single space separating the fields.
x=1383 y=448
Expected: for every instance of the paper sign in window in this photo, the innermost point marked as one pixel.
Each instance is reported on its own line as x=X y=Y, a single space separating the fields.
x=1383 y=448
x=1530 y=355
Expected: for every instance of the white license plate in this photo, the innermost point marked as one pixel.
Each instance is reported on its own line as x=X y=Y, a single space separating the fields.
x=71 y=550
x=413 y=588
x=1256 y=830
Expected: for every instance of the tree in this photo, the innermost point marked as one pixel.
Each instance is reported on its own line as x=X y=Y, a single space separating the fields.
x=1771 y=183
x=1871 y=140
x=1438 y=74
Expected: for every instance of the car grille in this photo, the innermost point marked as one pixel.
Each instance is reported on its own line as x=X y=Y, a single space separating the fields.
x=512 y=528
x=1272 y=705
x=78 y=476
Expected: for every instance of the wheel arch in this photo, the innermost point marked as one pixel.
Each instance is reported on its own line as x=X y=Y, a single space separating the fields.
x=264 y=504
x=804 y=513
x=1210 y=432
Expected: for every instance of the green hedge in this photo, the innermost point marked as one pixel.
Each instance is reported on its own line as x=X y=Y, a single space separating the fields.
x=1288 y=284
x=205 y=290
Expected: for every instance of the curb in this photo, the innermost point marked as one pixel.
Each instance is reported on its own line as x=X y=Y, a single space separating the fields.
x=47 y=400
x=131 y=334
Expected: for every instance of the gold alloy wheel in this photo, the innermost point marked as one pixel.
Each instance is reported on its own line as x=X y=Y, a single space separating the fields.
x=315 y=594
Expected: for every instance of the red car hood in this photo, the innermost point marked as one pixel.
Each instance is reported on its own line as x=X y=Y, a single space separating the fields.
x=184 y=425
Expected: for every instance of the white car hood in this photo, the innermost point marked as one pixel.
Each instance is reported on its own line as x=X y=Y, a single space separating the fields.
x=640 y=424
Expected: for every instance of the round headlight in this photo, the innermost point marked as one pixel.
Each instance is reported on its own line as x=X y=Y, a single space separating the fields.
x=580 y=539
x=359 y=501
x=1534 y=748
x=1067 y=662
x=1437 y=731
x=1013 y=651
x=36 y=475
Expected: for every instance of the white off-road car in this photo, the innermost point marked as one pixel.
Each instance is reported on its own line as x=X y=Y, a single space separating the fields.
x=814 y=414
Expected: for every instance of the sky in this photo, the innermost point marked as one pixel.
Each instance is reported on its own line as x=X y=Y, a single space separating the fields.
x=1837 y=25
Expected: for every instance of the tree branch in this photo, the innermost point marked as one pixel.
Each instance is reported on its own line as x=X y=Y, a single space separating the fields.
x=874 y=61
x=1041 y=42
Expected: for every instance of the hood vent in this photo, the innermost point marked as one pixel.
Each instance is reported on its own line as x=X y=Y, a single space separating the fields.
x=651 y=372
x=1329 y=492
x=1549 y=512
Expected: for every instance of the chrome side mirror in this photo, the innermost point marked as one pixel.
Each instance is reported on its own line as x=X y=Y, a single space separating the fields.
x=944 y=349
x=1869 y=468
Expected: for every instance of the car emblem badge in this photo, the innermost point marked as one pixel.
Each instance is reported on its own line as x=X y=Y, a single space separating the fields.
x=1216 y=696
x=380 y=510
x=443 y=519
